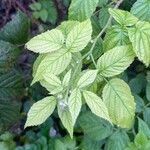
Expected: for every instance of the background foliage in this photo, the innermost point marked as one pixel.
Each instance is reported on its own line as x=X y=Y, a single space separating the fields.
x=24 y=20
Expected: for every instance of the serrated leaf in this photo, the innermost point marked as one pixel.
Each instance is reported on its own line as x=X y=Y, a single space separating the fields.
x=48 y=41
x=79 y=36
x=53 y=63
x=87 y=78
x=146 y=115
x=16 y=31
x=103 y=16
x=143 y=127
x=67 y=26
x=8 y=55
x=120 y=102
x=40 y=111
x=118 y=141
x=82 y=9
x=148 y=91
x=52 y=82
x=123 y=17
x=66 y=119
x=139 y=36
x=74 y=104
x=66 y=78
x=96 y=105
x=94 y=127
x=115 y=61
x=116 y=35
x=141 y=9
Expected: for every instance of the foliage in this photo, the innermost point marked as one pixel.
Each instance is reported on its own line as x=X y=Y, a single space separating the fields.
x=91 y=79
x=55 y=54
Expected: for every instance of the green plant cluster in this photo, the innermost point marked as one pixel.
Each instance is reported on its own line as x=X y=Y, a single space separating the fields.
x=91 y=78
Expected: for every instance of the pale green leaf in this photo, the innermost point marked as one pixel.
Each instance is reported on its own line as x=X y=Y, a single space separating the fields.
x=120 y=102
x=87 y=78
x=66 y=78
x=116 y=35
x=82 y=9
x=123 y=17
x=48 y=41
x=52 y=63
x=115 y=61
x=65 y=117
x=74 y=104
x=141 y=9
x=139 y=36
x=79 y=36
x=96 y=105
x=40 y=111
x=53 y=82
x=67 y=26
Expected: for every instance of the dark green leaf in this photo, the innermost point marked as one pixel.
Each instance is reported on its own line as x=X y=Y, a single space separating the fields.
x=16 y=31
x=95 y=127
x=118 y=141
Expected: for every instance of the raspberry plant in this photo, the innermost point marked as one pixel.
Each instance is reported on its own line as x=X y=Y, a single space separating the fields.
x=75 y=73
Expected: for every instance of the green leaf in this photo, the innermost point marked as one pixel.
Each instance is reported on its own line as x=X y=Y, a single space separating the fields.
x=120 y=102
x=148 y=91
x=118 y=141
x=48 y=41
x=74 y=104
x=43 y=15
x=87 y=78
x=103 y=16
x=115 y=61
x=79 y=36
x=82 y=9
x=11 y=93
x=102 y=3
x=65 y=117
x=8 y=55
x=123 y=17
x=35 y=6
x=116 y=35
x=143 y=127
x=95 y=127
x=139 y=103
x=89 y=144
x=16 y=31
x=67 y=26
x=66 y=78
x=140 y=139
x=40 y=111
x=138 y=83
x=141 y=9
x=53 y=83
x=146 y=115
x=96 y=105
x=139 y=36
x=53 y=63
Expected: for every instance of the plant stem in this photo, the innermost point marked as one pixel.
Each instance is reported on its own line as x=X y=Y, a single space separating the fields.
x=102 y=31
